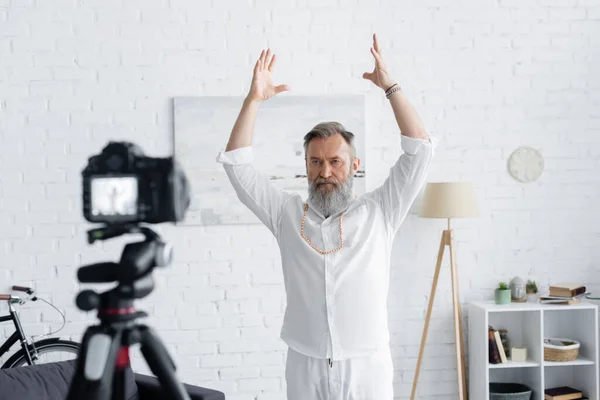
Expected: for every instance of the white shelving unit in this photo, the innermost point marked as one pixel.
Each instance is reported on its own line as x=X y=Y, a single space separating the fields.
x=527 y=325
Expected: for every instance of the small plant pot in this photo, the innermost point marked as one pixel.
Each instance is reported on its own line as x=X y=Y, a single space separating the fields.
x=502 y=296
x=532 y=297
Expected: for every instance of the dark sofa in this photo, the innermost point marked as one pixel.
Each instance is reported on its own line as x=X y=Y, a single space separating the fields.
x=51 y=382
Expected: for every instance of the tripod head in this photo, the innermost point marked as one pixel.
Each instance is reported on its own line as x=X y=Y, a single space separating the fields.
x=133 y=272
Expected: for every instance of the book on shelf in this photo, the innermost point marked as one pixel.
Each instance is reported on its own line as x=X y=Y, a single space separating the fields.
x=551 y=299
x=494 y=355
x=497 y=354
x=562 y=393
x=566 y=289
x=565 y=300
x=500 y=347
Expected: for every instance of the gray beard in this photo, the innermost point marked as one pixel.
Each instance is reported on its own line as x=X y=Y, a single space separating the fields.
x=332 y=202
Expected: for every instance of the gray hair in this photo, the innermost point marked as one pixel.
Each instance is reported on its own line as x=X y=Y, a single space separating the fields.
x=326 y=130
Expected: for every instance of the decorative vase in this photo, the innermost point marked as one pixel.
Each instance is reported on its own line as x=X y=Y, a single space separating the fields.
x=502 y=296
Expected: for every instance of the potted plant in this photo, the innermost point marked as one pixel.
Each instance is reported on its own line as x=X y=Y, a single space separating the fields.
x=502 y=293
x=532 y=291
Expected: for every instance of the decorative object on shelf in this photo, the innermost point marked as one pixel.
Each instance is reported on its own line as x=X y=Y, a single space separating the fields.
x=518 y=353
x=517 y=290
x=532 y=291
x=526 y=164
x=502 y=294
x=505 y=341
x=447 y=200
x=561 y=349
x=512 y=391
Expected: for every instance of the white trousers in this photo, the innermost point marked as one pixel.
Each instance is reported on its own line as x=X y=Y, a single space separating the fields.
x=361 y=378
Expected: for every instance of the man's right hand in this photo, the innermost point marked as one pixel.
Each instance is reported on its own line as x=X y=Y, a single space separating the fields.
x=262 y=87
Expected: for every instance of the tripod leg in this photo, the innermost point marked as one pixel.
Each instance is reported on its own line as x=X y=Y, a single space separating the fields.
x=428 y=316
x=460 y=357
x=161 y=364
x=121 y=369
x=95 y=365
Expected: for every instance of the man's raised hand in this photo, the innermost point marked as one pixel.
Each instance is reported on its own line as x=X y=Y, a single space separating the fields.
x=262 y=87
x=380 y=75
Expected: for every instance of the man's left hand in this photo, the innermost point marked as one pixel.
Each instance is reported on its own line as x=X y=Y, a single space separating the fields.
x=380 y=75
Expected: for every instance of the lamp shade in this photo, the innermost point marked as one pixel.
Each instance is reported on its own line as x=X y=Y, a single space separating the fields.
x=449 y=200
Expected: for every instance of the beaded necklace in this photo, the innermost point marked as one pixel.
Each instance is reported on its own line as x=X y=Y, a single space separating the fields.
x=308 y=240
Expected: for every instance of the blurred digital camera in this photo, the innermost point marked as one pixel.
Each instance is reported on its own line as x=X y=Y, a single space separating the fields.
x=123 y=186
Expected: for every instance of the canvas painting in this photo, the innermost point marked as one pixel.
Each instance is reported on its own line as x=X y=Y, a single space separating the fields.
x=202 y=126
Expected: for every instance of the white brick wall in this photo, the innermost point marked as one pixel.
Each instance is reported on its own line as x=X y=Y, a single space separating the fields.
x=486 y=76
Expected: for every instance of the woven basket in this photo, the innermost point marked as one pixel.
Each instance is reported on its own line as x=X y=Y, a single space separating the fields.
x=509 y=391
x=561 y=349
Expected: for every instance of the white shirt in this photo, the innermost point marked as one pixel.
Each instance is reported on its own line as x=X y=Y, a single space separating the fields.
x=336 y=303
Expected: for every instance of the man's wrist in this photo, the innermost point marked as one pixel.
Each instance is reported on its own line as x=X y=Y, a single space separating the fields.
x=252 y=102
x=387 y=87
x=391 y=90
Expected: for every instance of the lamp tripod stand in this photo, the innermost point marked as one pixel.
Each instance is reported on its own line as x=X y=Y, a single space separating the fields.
x=446 y=240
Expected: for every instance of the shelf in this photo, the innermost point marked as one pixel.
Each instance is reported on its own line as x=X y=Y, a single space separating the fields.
x=579 y=361
x=491 y=306
x=530 y=364
x=527 y=325
x=515 y=364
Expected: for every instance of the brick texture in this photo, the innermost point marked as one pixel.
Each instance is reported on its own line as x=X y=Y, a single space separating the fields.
x=486 y=77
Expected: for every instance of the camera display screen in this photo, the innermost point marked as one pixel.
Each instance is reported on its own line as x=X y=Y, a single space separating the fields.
x=115 y=197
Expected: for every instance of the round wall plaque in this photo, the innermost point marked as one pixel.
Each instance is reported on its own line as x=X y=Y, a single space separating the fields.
x=526 y=164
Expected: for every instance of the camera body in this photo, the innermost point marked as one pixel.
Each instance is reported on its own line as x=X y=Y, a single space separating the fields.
x=123 y=186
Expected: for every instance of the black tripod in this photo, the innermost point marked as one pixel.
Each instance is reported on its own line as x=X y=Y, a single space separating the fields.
x=104 y=354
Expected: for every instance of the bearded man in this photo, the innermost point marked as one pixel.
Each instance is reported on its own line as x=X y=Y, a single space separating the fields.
x=335 y=247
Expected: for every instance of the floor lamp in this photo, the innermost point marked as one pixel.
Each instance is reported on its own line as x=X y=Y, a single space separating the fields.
x=447 y=200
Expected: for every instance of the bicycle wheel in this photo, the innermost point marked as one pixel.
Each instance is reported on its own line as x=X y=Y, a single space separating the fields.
x=48 y=351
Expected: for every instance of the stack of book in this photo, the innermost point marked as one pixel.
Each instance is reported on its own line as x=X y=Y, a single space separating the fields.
x=564 y=293
x=497 y=354
x=564 y=393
